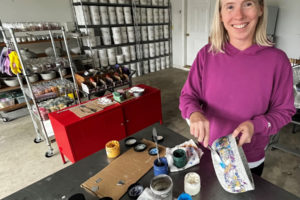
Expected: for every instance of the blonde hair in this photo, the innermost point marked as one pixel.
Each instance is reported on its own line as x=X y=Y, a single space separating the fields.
x=219 y=35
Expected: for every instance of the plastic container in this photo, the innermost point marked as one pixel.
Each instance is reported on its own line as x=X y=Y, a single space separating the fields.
x=5 y=102
x=20 y=99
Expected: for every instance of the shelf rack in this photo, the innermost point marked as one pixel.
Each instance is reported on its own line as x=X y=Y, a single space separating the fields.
x=135 y=24
x=31 y=99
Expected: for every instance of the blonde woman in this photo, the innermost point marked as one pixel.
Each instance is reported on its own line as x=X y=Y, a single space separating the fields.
x=239 y=83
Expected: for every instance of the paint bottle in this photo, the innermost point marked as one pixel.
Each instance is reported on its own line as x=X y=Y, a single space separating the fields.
x=160 y=167
x=162 y=187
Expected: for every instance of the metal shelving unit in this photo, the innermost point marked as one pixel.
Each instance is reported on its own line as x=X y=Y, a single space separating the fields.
x=137 y=24
x=40 y=125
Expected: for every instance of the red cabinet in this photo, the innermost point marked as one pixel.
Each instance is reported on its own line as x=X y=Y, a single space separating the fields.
x=78 y=138
x=142 y=111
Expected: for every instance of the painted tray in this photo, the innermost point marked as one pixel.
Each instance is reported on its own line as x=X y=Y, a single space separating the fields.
x=235 y=176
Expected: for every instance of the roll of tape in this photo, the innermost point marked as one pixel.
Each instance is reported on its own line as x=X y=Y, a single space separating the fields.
x=112 y=149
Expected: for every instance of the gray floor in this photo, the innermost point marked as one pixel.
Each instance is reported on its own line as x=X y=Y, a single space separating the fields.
x=22 y=162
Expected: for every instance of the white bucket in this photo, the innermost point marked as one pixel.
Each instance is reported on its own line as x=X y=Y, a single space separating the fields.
x=137 y=15
x=79 y=15
x=163 y=62
x=139 y=69
x=106 y=36
x=151 y=33
x=138 y=36
x=95 y=16
x=116 y=31
x=120 y=59
x=161 y=15
x=160 y=2
x=132 y=52
x=139 y=51
x=155 y=15
x=167 y=61
x=166 y=2
x=89 y=40
x=156 y=32
x=157 y=49
x=93 y=1
x=130 y=32
x=111 y=56
x=104 y=15
x=121 y=1
x=103 y=1
x=161 y=32
x=112 y=15
x=98 y=40
x=124 y=35
x=149 y=15
x=166 y=15
x=144 y=33
x=103 y=57
x=120 y=15
x=127 y=13
x=137 y=2
x=162 y=48
x=133 y=68
x=87 y=16
x=152 y=65
x=157 y=62
x=143 y=16
x=166 y=31
x=126 y=53
x=154 y=2
x=144 y=2
x=167 y=47
x=112 y=1
x=152 y=50
x=146 y=66
x=146 y=50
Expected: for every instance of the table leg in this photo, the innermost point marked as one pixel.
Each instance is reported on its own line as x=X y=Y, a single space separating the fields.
x=62 y=156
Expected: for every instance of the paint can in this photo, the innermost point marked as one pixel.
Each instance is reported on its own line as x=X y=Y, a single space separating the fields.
x=111 y=56
x=163 y=62
x=149 y=15
x=120 y=59
x=166 y=15
x=95 y=16
x=132 y=52
x=124 y=35
x=152 y=65
x=146 y=50
x=167 y=61
x=161 y=15
x=146 y=67
x=166 y=31
x=192 y=183
x=156 y=32
x=116 y=31
x=104 y=15
x=106 y=36
x=160 y=167
x=144 y=33
x=162 y=187
x=130 y=32
x=103 y=57
x=157 y=49
x=120 y=15
x=126 y=53
x=152 y=50
x=166 y=2
x=158 y=64
x=112 y=149
x=112 y=15
x=112 y=1
x=127 y=14
x=150 y=33
x=162 y=48
x=167 y=47
x=133 y=67
x=143 y=16
x=154 y=2
x=137 y=15
x=179 y=158
x=155 y=15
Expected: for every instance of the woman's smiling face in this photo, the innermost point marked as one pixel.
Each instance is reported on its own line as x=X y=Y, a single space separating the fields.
x=240 y=18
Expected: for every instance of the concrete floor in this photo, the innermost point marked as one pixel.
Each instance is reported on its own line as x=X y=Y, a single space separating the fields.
x=22 y=162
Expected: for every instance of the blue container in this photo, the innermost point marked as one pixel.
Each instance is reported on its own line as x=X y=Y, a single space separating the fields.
x=161 y=168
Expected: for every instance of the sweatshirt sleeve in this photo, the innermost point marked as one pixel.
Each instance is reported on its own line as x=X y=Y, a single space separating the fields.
x=190 y=99
x=281 y=106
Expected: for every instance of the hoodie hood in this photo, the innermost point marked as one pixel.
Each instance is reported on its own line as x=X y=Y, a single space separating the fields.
x=252 y=50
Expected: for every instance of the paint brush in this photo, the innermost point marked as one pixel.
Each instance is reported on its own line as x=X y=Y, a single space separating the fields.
x=154 y=133
x=217 y=156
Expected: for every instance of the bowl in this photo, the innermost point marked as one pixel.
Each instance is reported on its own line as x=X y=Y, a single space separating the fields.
x=64 y=72
x=33 y=78
x=48 y=75
x=233 y=174
x=11 y=81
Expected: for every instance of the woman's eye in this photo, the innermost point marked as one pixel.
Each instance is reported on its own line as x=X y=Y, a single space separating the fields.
x=248 y=4
x=229 y=7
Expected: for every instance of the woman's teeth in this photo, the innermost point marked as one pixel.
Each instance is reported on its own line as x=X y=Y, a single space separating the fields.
x=239 y=26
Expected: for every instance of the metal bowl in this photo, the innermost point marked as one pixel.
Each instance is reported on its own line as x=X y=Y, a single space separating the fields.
x=33 y=78
x=11 y=81
x=48 y=75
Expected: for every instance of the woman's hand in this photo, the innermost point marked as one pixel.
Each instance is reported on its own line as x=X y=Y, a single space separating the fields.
x=199 y=127
x=247 y=130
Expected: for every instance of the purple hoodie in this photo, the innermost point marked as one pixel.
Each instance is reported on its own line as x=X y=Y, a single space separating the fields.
x=232 y=87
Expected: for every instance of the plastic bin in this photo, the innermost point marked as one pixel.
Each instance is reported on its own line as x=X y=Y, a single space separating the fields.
x=20 y=99
x=5 y=102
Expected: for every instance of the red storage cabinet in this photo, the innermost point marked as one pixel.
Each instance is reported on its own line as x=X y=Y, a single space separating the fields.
x=78 y=137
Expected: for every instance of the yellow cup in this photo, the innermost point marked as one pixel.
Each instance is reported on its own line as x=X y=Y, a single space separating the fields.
x=112 y=149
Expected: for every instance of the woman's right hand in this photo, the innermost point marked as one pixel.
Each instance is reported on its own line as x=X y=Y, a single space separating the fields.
x=199 y=127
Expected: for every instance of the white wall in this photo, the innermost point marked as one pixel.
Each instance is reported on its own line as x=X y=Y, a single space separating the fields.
x=36 y=11
x=288 y=26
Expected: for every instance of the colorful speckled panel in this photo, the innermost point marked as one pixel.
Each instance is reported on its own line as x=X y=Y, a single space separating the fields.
x=233 y=174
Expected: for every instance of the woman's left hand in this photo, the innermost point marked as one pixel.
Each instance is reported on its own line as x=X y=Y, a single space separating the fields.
x=247 y=130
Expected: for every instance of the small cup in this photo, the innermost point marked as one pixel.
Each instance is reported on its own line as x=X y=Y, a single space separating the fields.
x=160 y=168
x=179 y=158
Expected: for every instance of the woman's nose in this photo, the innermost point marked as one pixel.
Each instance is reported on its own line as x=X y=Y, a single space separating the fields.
x=239 y=13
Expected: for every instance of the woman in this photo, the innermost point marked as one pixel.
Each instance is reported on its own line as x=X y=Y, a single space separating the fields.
x=239 y=83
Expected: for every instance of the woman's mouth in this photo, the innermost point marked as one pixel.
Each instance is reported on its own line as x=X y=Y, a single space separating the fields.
x=240 y=26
